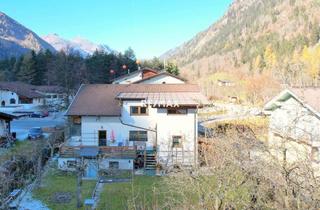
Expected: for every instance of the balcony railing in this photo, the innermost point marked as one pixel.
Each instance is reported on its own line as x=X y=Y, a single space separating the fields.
x=104 y=151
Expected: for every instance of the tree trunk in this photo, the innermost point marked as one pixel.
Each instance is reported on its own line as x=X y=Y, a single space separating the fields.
x=39 y=169
x=79 y=196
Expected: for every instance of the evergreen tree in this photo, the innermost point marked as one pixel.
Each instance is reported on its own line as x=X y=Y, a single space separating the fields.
x=315 y=34
x=172 y=68
x=28 y=70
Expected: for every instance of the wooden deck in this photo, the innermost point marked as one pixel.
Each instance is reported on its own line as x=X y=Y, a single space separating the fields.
x=104 y=151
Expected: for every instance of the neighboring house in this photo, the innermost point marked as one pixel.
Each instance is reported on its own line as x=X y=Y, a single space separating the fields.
x=162 y=78
x=13 y=94
x=225 y=83
x=54 y=95
x=19 y=95
x=135 y=76
x=294 y=132
x=145 y=124
x=149 y=76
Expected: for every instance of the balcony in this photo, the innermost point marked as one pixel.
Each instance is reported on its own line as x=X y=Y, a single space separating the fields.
x=102 y=151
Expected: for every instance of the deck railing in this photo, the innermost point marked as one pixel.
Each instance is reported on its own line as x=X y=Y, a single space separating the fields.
x=105 y=151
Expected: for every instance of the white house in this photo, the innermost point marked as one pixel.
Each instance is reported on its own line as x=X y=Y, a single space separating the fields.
x=53 y=95
x=21 y=97
x=295 y=124
x=161 y=78
x=145 y=124
x=13 y=94
x=134 y=76
x=149 y=76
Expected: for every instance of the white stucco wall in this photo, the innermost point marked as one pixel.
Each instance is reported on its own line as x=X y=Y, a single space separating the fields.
x=38 y=101
x=129 y=79
x=54 y=99
x=162 y=79
x=124 y=164
x=6 y=95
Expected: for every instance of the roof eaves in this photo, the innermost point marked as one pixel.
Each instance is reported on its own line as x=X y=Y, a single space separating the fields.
x=80 y=88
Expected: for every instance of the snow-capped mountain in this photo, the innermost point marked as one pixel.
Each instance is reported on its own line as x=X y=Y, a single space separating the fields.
x=78 y=44
x=15 y=39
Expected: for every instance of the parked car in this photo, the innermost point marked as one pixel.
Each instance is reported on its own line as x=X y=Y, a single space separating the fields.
x=35 y=133
x=40 y=114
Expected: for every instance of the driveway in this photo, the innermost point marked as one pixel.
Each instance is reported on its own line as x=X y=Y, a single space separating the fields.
x=22 y=125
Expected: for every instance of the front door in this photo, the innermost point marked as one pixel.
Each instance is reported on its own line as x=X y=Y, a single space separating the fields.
x=102 y=137
x=91 y=169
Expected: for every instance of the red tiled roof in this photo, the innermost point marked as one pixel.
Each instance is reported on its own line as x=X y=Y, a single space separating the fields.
x=30 y=91
x=100 y=99
x=310 y=96
x=22 y=89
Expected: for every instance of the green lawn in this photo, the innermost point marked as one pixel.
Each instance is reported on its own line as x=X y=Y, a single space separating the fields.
x=144 y=192
x=59 y=182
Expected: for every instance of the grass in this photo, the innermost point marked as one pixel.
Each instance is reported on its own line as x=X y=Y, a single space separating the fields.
x=19 y=147
x=57 y=182
x=141 y=192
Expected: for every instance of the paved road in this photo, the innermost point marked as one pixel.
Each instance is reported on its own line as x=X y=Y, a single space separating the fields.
x=21 y=126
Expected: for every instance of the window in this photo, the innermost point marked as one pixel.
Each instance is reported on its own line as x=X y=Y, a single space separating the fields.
x=71 y=163
x=138 y=136
x=3 y=103
x=173 y=110
x=102 y=135
x=76 y=120
x=12 y=101
x=54 y=96
x=113 y=165
x=138 y=110
x=176 y=141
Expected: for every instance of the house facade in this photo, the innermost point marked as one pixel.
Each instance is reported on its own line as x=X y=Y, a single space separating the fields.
x=53 y=95
x=137 y=125
x=14 y=94
x=294 y=130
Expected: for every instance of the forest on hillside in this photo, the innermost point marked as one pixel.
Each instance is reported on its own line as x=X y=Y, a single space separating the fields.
x=71 y=70
x=67 y=70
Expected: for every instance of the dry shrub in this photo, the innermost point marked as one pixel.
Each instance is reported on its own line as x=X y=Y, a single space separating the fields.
x=240 y=173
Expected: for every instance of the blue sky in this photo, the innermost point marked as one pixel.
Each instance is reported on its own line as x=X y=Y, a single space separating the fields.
x=150 y=27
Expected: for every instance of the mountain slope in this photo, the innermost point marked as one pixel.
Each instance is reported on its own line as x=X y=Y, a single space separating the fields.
x=15 y=39
x=78 y=44
x=244 y=33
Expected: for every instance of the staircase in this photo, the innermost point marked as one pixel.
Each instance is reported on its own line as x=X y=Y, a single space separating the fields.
x=150 y=160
